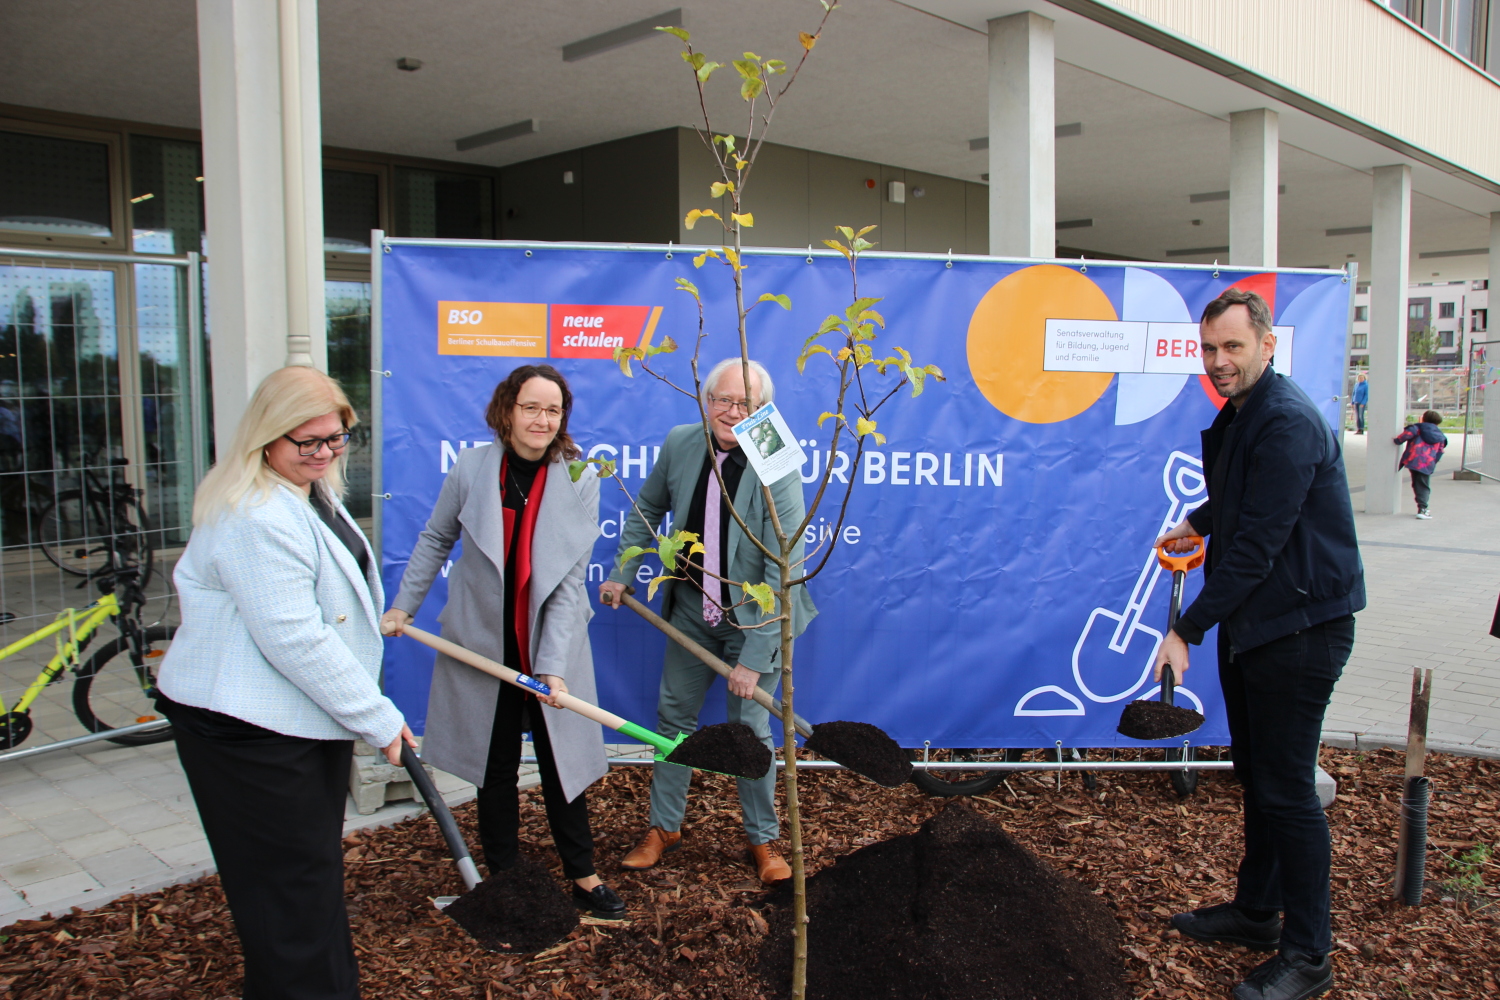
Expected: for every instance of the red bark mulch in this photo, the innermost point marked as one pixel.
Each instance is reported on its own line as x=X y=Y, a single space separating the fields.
x=695 y=930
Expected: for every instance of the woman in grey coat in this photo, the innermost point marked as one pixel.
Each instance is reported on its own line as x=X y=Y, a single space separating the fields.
x=517 y=595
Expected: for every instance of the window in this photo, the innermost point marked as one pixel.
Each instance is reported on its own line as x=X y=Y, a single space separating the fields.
x=444 y=206
x=351 y=208
x=1445 y=309
x=1461 y=25
x=1361 y=314
x=1481 y=285
x=1479 y=319
x=1361 y=342
x=1447 y=340
x=54 y=187
x=1416 y=310
x=166 y=195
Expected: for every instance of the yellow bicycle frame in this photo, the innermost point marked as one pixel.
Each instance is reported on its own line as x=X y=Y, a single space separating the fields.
x=79 y=625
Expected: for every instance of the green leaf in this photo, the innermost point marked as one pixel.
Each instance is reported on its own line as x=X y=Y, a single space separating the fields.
x=750 y=89
x=865 y=230
x=606 y=467
x=707 y=70
x=837 y=246
x=693 y=59
x=575 y=469
x=630 y=553
x=681 y=33
x=848 y=233
x=775 y=66
x=747 y=68
x=684 y=285
x=784 y=301
x=727 y=141
x=761 y=594
x=828 y=414
x=856 y=310
x=808 y=352
x=829 y=325
x=667 y=346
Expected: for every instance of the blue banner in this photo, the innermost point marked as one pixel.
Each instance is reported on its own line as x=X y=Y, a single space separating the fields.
x=994 y=583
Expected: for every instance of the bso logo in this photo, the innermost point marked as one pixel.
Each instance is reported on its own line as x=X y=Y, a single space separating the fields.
x=465 y=317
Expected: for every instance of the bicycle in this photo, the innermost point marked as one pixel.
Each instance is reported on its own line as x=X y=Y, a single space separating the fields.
x=115 y=686
x=97 y=525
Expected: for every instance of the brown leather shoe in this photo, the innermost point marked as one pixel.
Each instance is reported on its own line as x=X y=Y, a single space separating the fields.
x=768 y=864
x=653 y=845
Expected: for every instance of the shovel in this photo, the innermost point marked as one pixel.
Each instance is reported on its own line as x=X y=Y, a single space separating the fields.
x=1150 y=720
x=723 y=745
x=444 y=817
x=859 y=746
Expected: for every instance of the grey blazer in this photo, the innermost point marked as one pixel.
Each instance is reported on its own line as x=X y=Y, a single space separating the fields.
x=461 y=706
x=670 y=487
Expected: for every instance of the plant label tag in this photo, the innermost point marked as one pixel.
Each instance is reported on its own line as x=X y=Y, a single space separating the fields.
x=769 y=444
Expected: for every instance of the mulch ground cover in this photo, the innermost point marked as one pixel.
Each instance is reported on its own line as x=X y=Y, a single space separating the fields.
x=697 y=926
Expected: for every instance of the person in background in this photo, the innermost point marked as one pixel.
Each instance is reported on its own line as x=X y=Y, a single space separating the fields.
x=271 y=677
x=717 y=615
x=1282 y=582
x=1424 y=446
x=517 y=595
x=1361 y=401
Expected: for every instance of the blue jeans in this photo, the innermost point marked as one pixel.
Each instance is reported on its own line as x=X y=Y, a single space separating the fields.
x=685 y=681
x=1359 y=417
x=1275 y=696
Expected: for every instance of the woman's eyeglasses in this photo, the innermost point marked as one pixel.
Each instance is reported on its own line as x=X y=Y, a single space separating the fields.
x=310 y=447
x=531 y=411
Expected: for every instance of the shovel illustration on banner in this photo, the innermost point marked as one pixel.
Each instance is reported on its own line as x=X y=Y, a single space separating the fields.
x=1116 y=650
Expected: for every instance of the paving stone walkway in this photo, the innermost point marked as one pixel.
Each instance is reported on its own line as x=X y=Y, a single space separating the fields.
x=80 y=827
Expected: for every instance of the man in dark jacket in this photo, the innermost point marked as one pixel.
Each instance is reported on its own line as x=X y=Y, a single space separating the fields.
x=1283 y=582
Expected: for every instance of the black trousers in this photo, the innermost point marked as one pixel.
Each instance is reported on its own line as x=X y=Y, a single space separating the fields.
x=1275 y=696
x=273 y=810
x=1421 y=486
x=499 y=803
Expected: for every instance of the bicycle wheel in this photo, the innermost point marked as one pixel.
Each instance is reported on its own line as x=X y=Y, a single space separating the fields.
x=949 y=783
x=73 y=531
x=114 y=688
x=1184 y=783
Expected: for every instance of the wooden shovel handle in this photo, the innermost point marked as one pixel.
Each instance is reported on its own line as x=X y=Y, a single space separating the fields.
x=509 y=676
x=771 y=704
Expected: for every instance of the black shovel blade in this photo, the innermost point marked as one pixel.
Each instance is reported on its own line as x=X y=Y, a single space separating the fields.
x=519 y=911
x=1153 y=720
x=863 y=749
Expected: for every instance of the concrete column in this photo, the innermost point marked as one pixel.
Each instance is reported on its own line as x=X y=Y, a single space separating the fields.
x=254 y=248
x=1254 y=179
x=1023 y=210
x=1490 y=465
x=1390 y=256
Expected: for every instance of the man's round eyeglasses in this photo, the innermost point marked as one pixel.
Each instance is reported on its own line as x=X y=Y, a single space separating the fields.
x=310 y=447
x=532 y=411
x=722 y=403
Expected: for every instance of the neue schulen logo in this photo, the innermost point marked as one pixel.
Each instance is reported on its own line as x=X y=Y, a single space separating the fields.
x=595 y=331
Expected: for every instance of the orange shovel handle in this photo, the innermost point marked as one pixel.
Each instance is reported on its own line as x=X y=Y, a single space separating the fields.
x=1187 y=560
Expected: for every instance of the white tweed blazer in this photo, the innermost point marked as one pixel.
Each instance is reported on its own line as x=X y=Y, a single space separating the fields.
x=279 y=628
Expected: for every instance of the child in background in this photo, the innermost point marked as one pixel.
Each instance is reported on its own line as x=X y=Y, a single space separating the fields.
x=1424 y=446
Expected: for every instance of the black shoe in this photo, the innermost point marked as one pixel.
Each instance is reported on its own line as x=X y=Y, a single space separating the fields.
x=1291 y=975
x=1227 y=924
x=600 y=901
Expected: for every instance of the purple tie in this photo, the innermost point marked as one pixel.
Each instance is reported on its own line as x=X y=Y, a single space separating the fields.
x=712 y=613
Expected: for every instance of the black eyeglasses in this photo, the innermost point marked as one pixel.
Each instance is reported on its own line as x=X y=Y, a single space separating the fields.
x=310 y=447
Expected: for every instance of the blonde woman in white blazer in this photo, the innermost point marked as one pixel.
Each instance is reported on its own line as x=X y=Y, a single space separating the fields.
x=273 y=674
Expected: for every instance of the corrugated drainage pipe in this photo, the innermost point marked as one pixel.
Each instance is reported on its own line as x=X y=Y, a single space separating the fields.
x=1414 y=818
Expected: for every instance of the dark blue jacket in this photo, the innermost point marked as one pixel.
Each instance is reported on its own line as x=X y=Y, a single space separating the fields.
x=1282 y=553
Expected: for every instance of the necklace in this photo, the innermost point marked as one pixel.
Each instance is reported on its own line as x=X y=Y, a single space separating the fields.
x=525 y=494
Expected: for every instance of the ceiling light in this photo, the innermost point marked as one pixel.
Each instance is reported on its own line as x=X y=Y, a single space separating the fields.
x=409 y=64
x=1060 y=132
x=1076 y=224
x=1196 y=251
x=1222 y=195
x=1347 y=231
x=638 y=31
x=140 y=198
x=1454 y=253
x=494 y=135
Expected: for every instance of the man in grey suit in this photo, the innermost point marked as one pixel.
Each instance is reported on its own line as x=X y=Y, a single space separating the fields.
x=716 y=616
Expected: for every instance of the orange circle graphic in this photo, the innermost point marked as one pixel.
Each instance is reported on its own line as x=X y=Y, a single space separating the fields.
x=1006 y=335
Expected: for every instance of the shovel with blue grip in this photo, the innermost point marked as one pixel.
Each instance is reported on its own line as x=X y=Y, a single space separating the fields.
x=750 y=763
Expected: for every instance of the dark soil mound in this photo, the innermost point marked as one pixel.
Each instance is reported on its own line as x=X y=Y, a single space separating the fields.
x=520 y=909
x=862 y=748
x=1151 y=720
x=957 y=911
x=728 y=748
